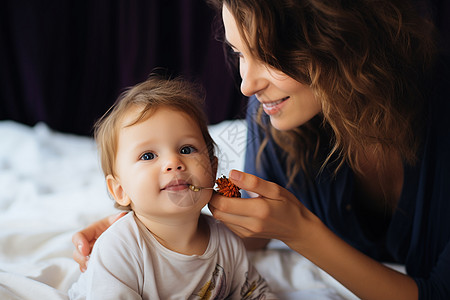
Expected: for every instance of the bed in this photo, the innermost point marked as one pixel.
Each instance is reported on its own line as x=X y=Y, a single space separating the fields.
x=51 y=186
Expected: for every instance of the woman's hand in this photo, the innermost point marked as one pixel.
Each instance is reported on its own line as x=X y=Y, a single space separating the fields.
x=275 y=213
x=84 y=240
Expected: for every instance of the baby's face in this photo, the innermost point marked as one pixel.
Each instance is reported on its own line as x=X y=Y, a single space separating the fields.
x=157 y=160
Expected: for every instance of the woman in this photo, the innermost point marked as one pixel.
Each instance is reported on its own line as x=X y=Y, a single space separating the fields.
x=350 y=132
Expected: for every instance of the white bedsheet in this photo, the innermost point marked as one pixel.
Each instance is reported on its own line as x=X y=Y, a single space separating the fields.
x=51 y=186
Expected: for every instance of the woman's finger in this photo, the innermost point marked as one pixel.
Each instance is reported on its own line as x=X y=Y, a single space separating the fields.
x=80 y=259
x=238 y=206
x=245 y=227
x=256 y=185
x=221 y=203
x=81 y=243
x=248 y=216
x=233 y=222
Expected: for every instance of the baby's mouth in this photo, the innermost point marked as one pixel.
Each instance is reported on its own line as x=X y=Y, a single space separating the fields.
x=180 y=194
x=176 y=185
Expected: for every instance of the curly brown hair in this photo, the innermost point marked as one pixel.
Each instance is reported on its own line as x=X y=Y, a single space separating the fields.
x=365 y=60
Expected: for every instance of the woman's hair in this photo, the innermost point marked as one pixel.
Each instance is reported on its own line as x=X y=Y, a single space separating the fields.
x=364 y=60
x=154 y=93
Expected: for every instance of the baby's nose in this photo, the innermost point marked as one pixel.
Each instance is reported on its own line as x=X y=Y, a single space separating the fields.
x=174 y=164
x=174 y=168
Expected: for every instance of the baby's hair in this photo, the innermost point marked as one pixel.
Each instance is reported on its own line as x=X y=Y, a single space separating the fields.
x=154 y=93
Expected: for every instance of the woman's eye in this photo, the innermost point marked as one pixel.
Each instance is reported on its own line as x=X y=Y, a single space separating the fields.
x=187 y=150
x=147 y=156
x=238 y=54
x=235 y=53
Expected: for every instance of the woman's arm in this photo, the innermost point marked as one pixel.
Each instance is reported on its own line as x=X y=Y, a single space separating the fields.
x=278 y=214
x=364 y=276
x=84 y=240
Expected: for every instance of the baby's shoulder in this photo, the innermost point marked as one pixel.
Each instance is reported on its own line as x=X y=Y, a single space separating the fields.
x=123 y=231
x=221 y=231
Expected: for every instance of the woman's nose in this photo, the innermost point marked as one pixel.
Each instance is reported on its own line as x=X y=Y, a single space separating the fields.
x=253 y=78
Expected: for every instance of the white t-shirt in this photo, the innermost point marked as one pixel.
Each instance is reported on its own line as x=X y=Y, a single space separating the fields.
x=127 y=262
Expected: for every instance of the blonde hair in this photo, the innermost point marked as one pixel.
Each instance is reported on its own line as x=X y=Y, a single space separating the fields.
x=364 y=60
x=154 y=93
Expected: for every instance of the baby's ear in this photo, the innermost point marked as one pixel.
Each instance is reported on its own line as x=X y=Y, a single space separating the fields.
x=116 y=190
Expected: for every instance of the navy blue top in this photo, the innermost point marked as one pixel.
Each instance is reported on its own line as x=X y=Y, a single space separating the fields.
x=418 y=234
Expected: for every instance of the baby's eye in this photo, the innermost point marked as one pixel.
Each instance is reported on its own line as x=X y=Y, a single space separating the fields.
x=147 y=156
x=187 y=150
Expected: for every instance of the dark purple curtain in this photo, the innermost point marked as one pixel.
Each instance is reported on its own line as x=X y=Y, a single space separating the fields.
x=65 y=62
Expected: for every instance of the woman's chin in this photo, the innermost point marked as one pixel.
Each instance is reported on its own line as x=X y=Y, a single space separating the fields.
x=282 y=125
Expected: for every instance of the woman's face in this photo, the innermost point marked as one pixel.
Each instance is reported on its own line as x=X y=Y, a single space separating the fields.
x=288 y=102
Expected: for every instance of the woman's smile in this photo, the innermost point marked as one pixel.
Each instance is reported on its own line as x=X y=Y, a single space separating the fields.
x=274 y=107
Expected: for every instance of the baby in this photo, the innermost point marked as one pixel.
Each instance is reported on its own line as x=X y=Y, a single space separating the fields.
x=154 y=145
